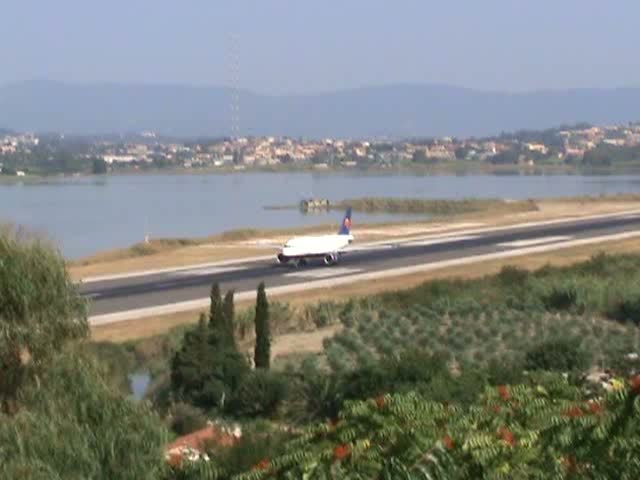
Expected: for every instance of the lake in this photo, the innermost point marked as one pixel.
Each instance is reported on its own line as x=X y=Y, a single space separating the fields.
x=85 y=215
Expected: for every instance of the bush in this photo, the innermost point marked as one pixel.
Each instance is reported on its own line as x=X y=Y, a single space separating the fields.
x=367 y=381
x=40 y=309
x=561 y=297
x=563 y=355
x=624 y=308
x=260 y=394
x=73 y=425
x=258 y=442
x=186 y=418
x=503 y=371
x=511 y=277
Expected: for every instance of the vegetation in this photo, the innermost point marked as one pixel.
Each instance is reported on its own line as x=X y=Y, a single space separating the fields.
x=262 y=358
x=486 y=378
x=435 y=207
x=63 y=415
x=544 y=428
x=72 y=425
x=39 y=310
x=608 y=155
x=207 y=369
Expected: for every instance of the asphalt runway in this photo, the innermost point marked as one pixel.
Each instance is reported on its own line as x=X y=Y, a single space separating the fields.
x=120 y=295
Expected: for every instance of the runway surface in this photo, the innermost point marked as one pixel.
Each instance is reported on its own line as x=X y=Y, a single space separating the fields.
x=120 y=298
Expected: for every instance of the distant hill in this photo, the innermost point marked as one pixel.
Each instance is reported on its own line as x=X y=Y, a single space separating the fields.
x=392 y=111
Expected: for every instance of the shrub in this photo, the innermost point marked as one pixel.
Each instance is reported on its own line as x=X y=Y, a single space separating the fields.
x=505 y=371
x=259 y=395
x=258 y=442
x=563 y=354
x=186 y=418
x=367 y=381
x=624 y=307
x=561 y=297
x=510 y=276
x=40 y=309
x=314 y=394
x=73 y=425
x=416 y=366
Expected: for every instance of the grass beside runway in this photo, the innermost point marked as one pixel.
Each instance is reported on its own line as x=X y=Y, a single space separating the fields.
x=167 y=253
x=149 y=327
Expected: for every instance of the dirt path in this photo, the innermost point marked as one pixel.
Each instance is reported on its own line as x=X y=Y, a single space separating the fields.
x=307 y=342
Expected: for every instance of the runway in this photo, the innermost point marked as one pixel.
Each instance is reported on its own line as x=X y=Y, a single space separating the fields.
x=153 y=293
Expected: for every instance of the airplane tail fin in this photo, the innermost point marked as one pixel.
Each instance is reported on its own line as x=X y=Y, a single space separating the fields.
x=345 y=228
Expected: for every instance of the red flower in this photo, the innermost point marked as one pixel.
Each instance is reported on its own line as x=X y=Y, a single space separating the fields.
x=635 y=384
x=380 y=401
x=448 y=442
x=507 y=436
x=263 y=464
x=575 y=412
x=341 y=452
x=504 y=393
x=596 y=408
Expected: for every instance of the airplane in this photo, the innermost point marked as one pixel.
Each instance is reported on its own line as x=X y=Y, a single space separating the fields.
x=299 y=250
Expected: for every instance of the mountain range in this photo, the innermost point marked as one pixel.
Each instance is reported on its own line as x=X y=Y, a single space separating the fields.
x=391 y=111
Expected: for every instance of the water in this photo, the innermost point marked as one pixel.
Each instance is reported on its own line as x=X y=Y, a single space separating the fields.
x=139 y=384
x=90 y=214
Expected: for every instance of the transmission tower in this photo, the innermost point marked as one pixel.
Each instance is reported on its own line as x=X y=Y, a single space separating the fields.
x=234 y=85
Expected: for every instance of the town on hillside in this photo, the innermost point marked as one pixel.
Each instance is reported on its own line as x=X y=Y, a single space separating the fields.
x=579 y=145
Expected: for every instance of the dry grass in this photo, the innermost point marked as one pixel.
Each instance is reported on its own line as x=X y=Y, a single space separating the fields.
x=248 y=243
x=164 y=259
x=147 y=327
x=307 y=342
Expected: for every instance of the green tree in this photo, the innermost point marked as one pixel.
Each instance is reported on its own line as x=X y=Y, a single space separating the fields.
x=216 y=315
x=420 y=156
x=228 y=311
x=546 y=429
x=207 y=368
x=99 y=166
x=511 y=156
x=260 y=394
x=73 y=425
x=40 y=309
x=262 y=357
x=560 y=355
x=190 y=362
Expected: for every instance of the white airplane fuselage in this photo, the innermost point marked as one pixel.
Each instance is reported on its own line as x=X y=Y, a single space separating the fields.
x=327 y=247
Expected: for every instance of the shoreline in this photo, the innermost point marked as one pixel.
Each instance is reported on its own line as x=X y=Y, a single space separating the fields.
x=444 y=169
x=247 y=243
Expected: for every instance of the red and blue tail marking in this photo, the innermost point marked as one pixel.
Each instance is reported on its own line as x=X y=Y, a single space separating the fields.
x=345 y=228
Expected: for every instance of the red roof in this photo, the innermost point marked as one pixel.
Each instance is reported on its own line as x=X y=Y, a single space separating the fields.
x=198 y=440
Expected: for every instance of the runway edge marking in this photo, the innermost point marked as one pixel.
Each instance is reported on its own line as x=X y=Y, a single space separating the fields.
x=621 y=214
x=186 y=306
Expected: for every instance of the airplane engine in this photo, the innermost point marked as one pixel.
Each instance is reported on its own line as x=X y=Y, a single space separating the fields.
x=330 y=259
x=282 y=258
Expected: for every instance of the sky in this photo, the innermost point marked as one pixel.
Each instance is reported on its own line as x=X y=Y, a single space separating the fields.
x=305 y=46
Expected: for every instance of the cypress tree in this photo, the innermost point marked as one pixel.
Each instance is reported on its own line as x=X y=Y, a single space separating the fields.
x=216 y=315
x=188 y=363
x=262 y=357
x=228 y=311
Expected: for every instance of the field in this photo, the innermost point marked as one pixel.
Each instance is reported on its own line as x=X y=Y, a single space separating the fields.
x=496 y=318
x=479 y=336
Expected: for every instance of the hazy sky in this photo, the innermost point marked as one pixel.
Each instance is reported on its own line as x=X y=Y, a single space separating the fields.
x=289 y=46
